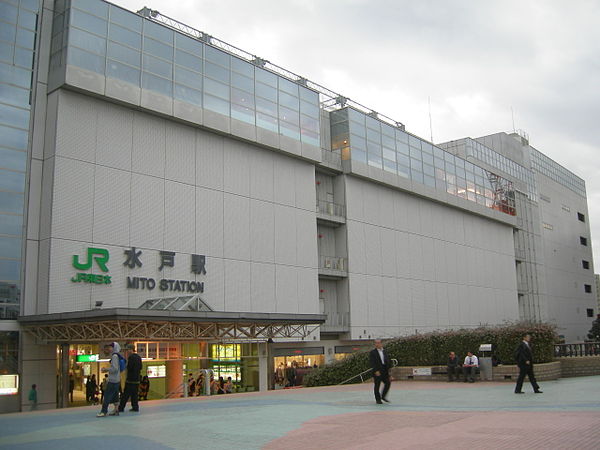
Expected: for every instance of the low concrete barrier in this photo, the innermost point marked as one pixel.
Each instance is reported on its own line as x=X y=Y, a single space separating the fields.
x=580 y=366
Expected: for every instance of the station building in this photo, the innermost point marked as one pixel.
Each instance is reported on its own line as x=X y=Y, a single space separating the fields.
x=161 y=187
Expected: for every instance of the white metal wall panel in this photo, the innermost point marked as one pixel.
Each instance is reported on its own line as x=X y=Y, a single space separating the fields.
x=115 y=136
x=209 y=222
x=180 y=161
x=209 y=160
x=111 y=206
x=149 y=145
x=286 y=291
x=262 y=231
x=284 y=184
x=262 y=293
x=78 y=142
x=306 y=244
x=285 y=235
x=180 y=217
x=147 y=211
x=237 y=286
x=237 y=227
x=236 y=168
x=262 y=174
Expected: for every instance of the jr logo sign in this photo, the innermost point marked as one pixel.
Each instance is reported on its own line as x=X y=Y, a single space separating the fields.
x=100 y=256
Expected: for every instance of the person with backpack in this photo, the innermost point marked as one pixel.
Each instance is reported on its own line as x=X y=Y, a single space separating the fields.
x=117 y=365
x=132 y=381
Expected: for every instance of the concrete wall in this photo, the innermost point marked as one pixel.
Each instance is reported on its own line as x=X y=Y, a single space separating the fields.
x=583 y=366
x=419 y=265
x=120 y=178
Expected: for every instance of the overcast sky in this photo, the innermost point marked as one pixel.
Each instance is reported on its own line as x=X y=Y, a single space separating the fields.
x=475 y=61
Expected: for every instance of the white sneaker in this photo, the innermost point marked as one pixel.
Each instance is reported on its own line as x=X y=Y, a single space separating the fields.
x=101 y=414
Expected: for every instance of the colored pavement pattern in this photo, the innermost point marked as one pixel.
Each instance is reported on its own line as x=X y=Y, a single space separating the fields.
x=424 y=415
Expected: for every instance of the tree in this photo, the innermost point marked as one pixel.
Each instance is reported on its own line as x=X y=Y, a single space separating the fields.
x=594 y=333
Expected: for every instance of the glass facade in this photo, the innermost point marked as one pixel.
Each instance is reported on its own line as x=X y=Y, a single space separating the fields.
x=122 y=45
x=540 y=163
x=366 y=139
x=18 y=27
x=495 y=159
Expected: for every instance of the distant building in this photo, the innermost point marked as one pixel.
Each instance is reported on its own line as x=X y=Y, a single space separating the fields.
x=161 y=187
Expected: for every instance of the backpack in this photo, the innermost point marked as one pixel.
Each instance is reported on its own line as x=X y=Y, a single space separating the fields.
x=122 y=362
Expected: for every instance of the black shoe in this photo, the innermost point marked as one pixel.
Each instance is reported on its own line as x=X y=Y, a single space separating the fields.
x=520 y=392
x=134 y=410
x=379 y=402
x=385 y=400
x=538 y=392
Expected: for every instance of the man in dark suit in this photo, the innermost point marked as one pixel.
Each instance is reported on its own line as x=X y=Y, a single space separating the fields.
x=524 y=358
x=380 y=363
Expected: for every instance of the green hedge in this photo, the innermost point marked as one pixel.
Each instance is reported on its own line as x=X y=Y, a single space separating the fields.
x=432 y=349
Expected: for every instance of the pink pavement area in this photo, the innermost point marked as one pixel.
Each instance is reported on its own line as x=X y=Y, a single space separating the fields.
x=447 y=430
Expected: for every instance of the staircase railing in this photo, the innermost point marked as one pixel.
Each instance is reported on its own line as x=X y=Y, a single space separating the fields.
x=362 y=374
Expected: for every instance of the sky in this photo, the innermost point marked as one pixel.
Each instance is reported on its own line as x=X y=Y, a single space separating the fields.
x=480 y=65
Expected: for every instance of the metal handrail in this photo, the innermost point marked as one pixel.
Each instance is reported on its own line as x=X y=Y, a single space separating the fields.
x=394 y=364
x=576 y=350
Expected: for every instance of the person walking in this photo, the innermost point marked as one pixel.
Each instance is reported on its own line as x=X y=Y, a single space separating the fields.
x=132 y=380
x=524 y=358
x=111 y=395
x=90 y=388
x=33 y=397
x=380 y=363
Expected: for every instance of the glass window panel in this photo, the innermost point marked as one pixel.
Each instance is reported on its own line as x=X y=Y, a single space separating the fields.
x=14 y=95
x=12 y=159
x=16 y=117
x=359 y=155
x=25 y=38
x=288 y=86
x=448 y=157
x=289 y=130
x=23 y=57
x=388 y=130
x=289 y=101
x=402 y=148
x=267 y=122
x=309 y=95
x=215 y=88
x=8 y=12
x=429 y=181
x=86 y=60
x=358 y=143
x=373 y=148
x=216 y=104
x=309 y=124
x=12 y=181
x=414 y=141
x=87 y=41
x=188 y=77
x=389 y=166
x=158 y=32
x=242 y=82
x=157 y=84
x=242 y=98
x=124 y=54
x=92 y=6
x=266 y=77
x=438 y=152
x=310 y=137
x=440 y=174
x=402 y=159
x=356 y=116
x=157 y=48
x=388 y=142
x=426 y=157
x=188 y=44
x=428 y=170
x=437 y=162
x=417 y=176
x=216 y=72
x=158 y=66
x=403 y=171
x=190 y=61
x=27 y=19
x=10 y=247
x=266 y=107
x=126 y=19
x=265 y=91
x=6 y=52
x=401 y=136
x=373 y=123
x=188 y=95
x=416 y=164
x=10 y=224
x=309 y=109
x=11 y=202
x=358 y=129
x=125 y=37
x=373 y=135
x=374 y=160
x=11 y=137
x=242 y=67
x=289 y=116
x=123 y=72
x=216 y=56
x=242 y=113
x=427 y=147
x=414 y=153
x=10 y=270
x=8 y=32
x=389 y=154
x=88 y=22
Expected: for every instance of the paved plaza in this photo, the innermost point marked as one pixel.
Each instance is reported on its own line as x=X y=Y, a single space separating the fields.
x=424 y=415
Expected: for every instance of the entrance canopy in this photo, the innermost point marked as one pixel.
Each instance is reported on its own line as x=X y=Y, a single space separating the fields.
x=118 y=324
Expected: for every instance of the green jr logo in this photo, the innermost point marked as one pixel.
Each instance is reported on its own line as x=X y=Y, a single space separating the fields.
x=100 y=255
x=101 y=259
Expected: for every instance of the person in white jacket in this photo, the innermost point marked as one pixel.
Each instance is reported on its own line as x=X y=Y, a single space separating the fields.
x=111 y=395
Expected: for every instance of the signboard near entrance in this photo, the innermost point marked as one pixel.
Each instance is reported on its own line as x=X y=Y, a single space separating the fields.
x=422 y=371
x=9 y=384
x=87 y=358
